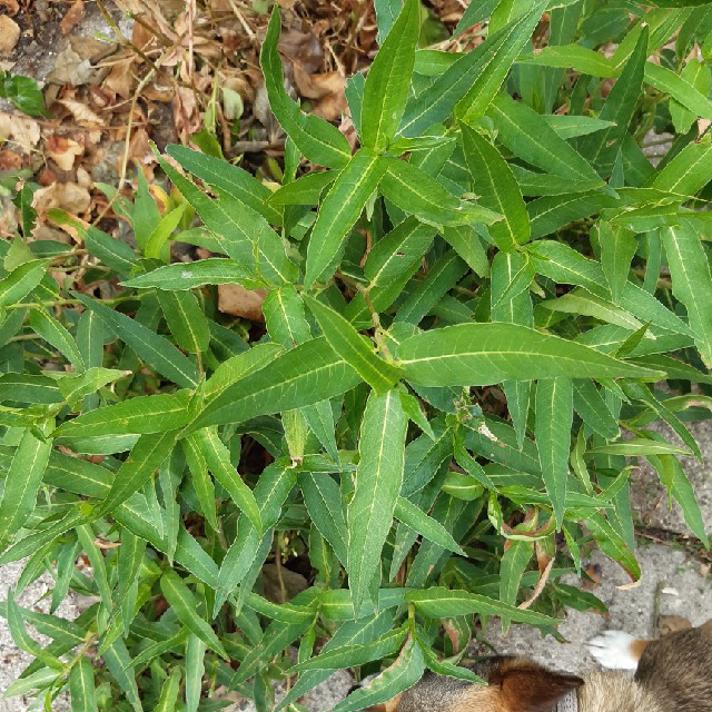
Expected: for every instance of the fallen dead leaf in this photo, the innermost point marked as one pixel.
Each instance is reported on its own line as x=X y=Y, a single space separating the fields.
x=72 y=17
x=67 y=196
x=63 y=151
x=9 y=34
x=327 y=89
x=24 y=131
x=82 y=114
x=9 y=160
x=70 y=68
x=120 y=79
x=235 y=300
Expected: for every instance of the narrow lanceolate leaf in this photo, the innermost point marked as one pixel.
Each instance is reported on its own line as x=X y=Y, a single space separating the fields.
x=229 y=179
x=415 y=192
x=498 y=190
x=81 y=686
x=379 y=477
x=593 y=409
x=240 y=232
x=388 y=81
x=339 y=212
x=323 y=502
x=689 y=171
x=477 y=72
x=691 y=283
x=56 y=335
x=194 y=671
x=144 y=459
x=484 y=354
x=21 y=281
x=355 y=349
x=154 y=349
x=488 y=82
x=527 y=135
x=438 y=602
x=618 y=246
x=186 y=609
x=601 y=147
x=317 y=139
x=305 y=190
x=141 y=415
x=185 y=319
x=415 y=518
x=352 y=655
x=513 y=306
x=169 y=692
x=405 y=671
x=217 y=457
x=307 y=374
x=22 y=483
x=182 y=276
x=553 y=421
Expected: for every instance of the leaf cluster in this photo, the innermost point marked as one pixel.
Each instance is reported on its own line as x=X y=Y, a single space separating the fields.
x=467 y=320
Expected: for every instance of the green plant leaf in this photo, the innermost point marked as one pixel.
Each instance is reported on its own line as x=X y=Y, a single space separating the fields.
x=307 y=374
x=601 y=148
x=527 y=134
x=388 y=80
x=21 y=281
x=194 y=671
x=339 y=212
x=498 y=190
x=229 y=179
x=415 y=518
x=353 y=348
x=318 y=140
x=405 y=671
x=185 y=319
x=438 y=602
x=476 y=75
x=182 y=276
x=413 y=191
x=353 y=655
x=483 y=354
x=305 y=190
x=553 y=422
x=691 y=283
x=144 y=459
x=81 y=686
x=378 y=482
x=22 y=483
x=217 y=457
x=141 y=415
x=156 y=350
x=185 y=607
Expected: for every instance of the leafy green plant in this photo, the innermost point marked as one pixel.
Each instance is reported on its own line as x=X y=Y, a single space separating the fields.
x=465 y=320
x=22 y=92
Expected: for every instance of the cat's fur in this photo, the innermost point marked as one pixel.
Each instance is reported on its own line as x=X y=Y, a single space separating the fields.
x=674 y=674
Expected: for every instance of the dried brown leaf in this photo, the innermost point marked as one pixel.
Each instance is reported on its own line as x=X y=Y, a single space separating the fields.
x=72 y=17
x=82 y=114
x=63 y=151
x=9 y=34
x=67 y=196
x=23 y=130
x=235 y=300
x=70 y=68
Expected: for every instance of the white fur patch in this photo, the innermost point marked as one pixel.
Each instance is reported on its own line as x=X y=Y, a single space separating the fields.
x=613 y=650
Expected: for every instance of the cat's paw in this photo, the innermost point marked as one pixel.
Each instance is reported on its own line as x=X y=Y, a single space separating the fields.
x=614 y=649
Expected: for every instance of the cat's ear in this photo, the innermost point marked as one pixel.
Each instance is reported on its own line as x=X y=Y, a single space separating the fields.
x=524 y=686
